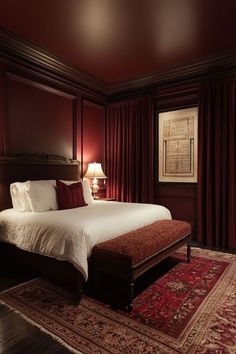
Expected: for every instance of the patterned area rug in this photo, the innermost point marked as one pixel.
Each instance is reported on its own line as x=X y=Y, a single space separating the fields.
x=191 y=309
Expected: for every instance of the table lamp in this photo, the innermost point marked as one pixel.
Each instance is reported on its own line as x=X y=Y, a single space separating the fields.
x=94 y=172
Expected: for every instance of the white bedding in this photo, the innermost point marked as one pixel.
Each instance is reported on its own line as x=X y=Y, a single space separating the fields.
x=71 y=234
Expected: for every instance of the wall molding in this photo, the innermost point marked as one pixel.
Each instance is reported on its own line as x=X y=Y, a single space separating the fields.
x=40 y=86
x=20 y=52
x=46 y=88
x=185 y=73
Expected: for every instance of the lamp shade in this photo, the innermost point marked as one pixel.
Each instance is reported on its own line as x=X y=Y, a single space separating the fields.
x=94 y=171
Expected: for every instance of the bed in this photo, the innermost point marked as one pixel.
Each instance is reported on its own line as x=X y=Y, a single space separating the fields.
x=59 y=243
x=70 y=235
x=37 y=167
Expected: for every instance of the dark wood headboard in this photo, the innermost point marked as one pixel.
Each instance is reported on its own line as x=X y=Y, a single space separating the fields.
x=33 y=167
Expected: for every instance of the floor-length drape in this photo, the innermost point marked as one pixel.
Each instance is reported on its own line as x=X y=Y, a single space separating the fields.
x=129 y=150
x=217 y=164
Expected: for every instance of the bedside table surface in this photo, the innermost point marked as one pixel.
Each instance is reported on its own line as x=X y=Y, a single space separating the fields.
x=107 y=199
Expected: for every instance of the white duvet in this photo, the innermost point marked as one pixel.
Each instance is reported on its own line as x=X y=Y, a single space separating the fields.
x=71 y=234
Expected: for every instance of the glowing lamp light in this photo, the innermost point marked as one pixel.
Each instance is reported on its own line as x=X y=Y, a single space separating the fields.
x=94 y=172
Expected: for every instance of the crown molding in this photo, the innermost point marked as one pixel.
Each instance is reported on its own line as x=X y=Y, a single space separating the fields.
x=16 y=50
x=191 y=72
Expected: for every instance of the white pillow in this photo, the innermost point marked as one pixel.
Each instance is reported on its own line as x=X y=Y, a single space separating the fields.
x=88 y=198
x=42 y=195
x=34 y=195
x=19 y=196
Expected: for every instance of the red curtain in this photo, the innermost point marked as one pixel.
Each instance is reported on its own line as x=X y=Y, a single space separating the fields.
x=129 y=150
x=217 y=164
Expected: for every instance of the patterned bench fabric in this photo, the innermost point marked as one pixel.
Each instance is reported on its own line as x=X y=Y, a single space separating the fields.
x=142 y=243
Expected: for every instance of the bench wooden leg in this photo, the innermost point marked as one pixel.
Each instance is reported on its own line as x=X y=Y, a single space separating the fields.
x=129 y=306
x=188 y=252
x=127 y=300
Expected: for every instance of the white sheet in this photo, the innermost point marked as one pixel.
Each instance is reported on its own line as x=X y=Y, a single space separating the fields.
x=71 y=234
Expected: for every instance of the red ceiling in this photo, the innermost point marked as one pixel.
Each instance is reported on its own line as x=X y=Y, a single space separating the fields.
x=120 y=40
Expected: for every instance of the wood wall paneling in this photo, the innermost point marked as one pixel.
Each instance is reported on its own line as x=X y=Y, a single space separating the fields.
x=180 y=198
x=42 y=116
x=93 y=132
x=45 y=95
x=2 y=108
x=93 y=148
x=39 y=119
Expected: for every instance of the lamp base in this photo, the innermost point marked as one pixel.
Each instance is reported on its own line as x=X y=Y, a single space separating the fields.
x=95 y=188
x=95 y=197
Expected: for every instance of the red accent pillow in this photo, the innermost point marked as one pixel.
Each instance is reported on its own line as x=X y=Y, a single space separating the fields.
x=70 y=196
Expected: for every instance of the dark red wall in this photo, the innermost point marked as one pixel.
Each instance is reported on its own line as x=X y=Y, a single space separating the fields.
x=180 y=199
x=2 y=107
x=38 y=116
x=93 y=137
x=93 y=128
x=38 y=119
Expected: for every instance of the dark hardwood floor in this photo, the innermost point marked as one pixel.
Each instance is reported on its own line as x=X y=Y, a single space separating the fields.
x=18 y=336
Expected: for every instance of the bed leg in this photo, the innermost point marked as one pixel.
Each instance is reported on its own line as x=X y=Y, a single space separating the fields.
x=78 y=289
x=188 y=252
x=76 y=298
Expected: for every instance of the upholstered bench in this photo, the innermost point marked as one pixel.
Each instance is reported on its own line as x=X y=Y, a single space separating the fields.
x=117 y=263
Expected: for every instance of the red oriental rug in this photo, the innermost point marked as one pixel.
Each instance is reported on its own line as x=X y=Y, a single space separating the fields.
x=191 y=309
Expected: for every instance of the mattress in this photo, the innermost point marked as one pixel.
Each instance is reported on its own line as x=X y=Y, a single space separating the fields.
x=70 y=235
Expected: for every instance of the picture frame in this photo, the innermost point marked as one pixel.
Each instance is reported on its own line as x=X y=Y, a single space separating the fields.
x=178 y=141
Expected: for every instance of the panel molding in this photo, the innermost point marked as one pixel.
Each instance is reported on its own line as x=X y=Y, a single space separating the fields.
x=38 y=85
x=50 y=89
x=85 y=102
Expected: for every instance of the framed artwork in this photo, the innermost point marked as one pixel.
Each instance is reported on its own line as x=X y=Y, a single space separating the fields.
x=178 y=145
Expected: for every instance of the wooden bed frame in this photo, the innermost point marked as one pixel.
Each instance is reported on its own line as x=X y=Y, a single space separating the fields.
x=38 y=167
